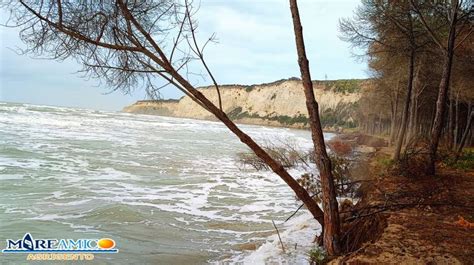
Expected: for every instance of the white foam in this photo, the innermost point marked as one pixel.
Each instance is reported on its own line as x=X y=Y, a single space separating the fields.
x=180 y=169
x=297 y=237
x=52 y=217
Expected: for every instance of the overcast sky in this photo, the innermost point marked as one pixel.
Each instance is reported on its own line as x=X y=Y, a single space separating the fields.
x=255 y=45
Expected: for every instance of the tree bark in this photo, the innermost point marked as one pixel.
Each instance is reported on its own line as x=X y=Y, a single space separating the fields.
x=331 y=213
x=406 y=109
x=470 y=117
x=416 y=91
x=393 y=127
x=411 y=121
x=450 y=138
x=456 y=121
x=442 y=93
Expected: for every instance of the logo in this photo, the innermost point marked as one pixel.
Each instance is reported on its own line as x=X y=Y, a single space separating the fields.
x=60 y=249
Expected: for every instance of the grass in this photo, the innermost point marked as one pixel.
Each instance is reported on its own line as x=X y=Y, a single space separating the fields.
x=465 y=161
x=384 y=161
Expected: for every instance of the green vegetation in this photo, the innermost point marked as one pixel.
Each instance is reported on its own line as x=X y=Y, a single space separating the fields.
x=464 y=162
x=344 y=85
x=287 y=120
x=317 y=256
x=237 y=113
x=157 y=100
x=287 y=154
x=340 y=116
x=249 y=88
x=234 y=114
x=384 y=162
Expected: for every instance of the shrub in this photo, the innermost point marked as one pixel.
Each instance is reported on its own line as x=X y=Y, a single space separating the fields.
x=464 y=162
x=312 y=184
x=414 y=160
x=340 y=147
x=345 y=86
x=287 y=155
x=233 y=114
x=317 y=256
x=341 y=170
x=288 y=120
x=342 y=175
x=341 y=115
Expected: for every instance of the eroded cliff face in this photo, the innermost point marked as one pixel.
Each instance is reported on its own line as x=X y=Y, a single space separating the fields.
x=280 y=103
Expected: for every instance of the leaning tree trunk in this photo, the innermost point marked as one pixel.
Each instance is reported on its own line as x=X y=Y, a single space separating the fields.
x=198 y=97
x=439 y=115
x=443 y=90
x=276 y=167
x=442 y=97
x=330 y=206
x=406 y=109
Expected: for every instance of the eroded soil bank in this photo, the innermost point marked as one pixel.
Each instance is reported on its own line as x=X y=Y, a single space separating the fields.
x=410 y=220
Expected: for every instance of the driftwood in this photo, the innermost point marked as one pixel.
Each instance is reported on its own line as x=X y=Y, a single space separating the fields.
x=278 y=233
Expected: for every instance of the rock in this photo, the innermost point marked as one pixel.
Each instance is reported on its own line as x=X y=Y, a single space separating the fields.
x=246 y=246
x=365 y=149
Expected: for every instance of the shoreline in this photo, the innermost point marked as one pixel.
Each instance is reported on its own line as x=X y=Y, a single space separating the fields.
x=256 y=122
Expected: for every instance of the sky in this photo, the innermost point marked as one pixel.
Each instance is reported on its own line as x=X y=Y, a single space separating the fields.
x=255 y=44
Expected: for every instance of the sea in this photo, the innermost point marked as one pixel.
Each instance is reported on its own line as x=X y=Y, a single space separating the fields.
x=166 y=190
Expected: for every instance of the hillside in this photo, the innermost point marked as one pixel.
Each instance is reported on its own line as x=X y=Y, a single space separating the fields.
x=281 y=103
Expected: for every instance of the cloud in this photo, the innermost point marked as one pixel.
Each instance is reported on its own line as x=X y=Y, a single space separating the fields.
x=255 y=45
x=256 y=39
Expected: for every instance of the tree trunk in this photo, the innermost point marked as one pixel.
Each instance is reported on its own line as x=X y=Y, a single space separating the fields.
x=416 y=118
x=440 y=107
x=442 y=94
x=331 y=213
x=450 y=138
x=276 y=167
x=470 y=117
x=412 y=117
x=413 y=105
x=380 y=125
x=456 y=126
x=393 y=126
x=403 y=126
x=392 y=129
